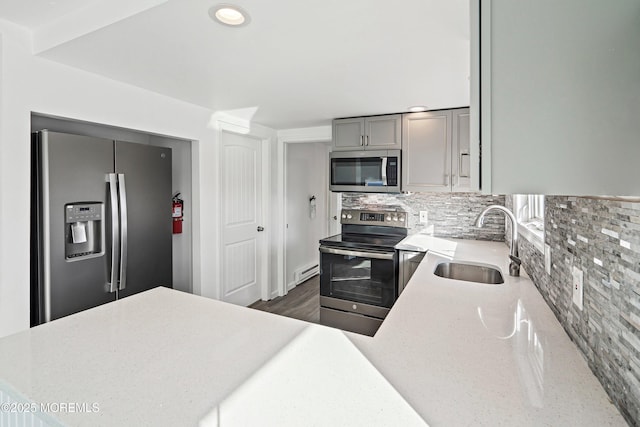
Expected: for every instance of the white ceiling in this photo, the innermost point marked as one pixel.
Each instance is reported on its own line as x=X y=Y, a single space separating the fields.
x=300 y=63
x=36 y=13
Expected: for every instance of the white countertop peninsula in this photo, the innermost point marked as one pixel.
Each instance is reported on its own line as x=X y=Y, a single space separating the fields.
x=162 y=357
x=458 y=353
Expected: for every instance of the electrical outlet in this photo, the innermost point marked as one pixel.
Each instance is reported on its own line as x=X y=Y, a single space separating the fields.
x=577 y=285
x=424 y=217
x=547 y=258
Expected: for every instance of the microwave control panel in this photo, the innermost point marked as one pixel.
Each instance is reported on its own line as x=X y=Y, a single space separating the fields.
x=392 y=171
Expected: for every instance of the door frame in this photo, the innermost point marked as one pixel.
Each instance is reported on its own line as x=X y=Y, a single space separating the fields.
x=266 y=136
x=320 y=134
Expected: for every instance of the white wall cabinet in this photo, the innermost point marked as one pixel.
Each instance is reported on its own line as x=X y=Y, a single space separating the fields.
x=558 y=95
x=409 y=261
x=436 y=151
x=368 y=133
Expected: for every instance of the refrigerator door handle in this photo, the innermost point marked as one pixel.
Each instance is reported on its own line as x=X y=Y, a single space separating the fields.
x=123 y=231
x=115 y=231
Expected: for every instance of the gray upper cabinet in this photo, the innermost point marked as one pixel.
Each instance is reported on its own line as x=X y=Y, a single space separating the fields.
x=348 y=134
x=461 y=151
x=436 y=151
x=426 y=151
x=368 y=133
x=383 y=132
x=557 y=89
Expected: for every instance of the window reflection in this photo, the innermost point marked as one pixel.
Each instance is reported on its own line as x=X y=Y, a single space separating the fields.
x=528 y=350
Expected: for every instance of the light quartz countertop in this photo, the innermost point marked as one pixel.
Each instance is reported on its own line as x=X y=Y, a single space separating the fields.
x=450 y=353
x=424 y=242
x=464 y=353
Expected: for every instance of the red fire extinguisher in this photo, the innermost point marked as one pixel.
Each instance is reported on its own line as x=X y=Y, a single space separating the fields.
x=177 y=214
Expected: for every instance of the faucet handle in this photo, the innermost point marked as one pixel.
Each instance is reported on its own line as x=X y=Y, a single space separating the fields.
x=514 y=266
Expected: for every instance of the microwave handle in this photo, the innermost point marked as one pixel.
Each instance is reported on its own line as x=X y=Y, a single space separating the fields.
x=384 y=172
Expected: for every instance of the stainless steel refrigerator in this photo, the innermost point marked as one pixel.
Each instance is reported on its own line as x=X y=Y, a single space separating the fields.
x=101 y=222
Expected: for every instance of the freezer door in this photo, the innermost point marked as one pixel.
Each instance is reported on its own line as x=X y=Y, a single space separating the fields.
x=72 y=169
x=147 y=230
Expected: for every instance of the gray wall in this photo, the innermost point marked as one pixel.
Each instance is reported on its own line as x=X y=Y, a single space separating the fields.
x=450 y=214
x=583 y=232
x=181 y=182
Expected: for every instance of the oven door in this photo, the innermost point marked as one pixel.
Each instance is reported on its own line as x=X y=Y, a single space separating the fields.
x=363 y=276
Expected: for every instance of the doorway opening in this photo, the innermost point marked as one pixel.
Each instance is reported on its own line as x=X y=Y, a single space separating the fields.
x=310 y=209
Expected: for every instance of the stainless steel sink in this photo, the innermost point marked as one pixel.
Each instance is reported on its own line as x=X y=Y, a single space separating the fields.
x=469 y=272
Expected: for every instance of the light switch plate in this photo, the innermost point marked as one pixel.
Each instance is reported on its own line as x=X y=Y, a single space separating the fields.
x=577 y=284
x=424 y=217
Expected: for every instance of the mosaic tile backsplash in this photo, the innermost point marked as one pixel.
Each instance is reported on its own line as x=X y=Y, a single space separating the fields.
x=601 y=238
x=449 y=214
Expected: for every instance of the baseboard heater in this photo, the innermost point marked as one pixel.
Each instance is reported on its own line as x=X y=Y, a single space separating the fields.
x=305 y=273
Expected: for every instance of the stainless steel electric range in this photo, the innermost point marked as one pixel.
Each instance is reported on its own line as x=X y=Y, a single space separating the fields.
x=359 y=270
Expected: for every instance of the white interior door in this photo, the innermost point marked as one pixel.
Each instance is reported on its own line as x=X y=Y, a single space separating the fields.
x=242 y=250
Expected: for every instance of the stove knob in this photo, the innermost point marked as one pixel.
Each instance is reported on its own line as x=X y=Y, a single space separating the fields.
x=401 y=218
x=344 y=216
x=355 y=307
x=349 y=216
x=395 y=218
x=389 y=218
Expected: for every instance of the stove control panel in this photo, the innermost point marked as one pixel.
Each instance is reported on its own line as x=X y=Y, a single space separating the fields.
x=395 y=218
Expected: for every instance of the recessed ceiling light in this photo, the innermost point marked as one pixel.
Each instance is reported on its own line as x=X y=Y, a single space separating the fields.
x=229 y=14
x=417 y=108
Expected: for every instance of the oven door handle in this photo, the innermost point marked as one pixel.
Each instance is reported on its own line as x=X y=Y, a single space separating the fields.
x=361 y=254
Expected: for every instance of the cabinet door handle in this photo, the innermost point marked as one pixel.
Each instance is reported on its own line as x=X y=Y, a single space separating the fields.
x=461 y=168
x=367 y=143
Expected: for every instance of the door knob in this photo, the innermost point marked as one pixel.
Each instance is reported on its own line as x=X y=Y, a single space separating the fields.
x=335 y=217
x=260 y=228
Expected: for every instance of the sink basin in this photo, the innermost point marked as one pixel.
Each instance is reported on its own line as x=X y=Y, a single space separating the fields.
x=469 y=272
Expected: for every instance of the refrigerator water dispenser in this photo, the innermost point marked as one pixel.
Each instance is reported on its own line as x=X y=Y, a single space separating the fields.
x=84 y=230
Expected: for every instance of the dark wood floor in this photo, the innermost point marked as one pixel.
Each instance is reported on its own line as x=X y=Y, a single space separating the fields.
x=302 y=302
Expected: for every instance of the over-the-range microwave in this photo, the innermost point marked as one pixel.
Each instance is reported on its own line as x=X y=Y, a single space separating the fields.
x=375 y=171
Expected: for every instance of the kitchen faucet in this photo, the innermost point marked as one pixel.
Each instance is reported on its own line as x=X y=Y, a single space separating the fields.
x=514 y=266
